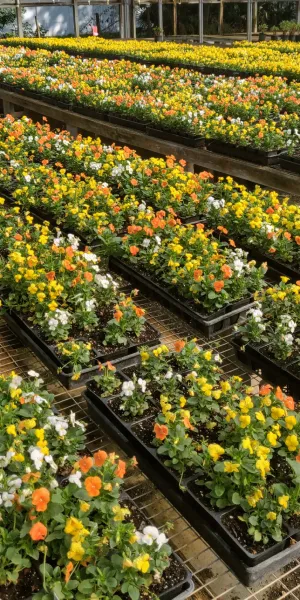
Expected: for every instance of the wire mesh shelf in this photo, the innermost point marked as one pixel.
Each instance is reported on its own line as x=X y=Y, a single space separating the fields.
x=213 y=580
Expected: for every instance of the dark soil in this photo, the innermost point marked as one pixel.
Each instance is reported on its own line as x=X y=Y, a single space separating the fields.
x=281 y=469
x=29 y=583
x=144 y=431
x=294 y=368
x=294 y=522
x=201 y=493
x=239 y=530
x=115 y=407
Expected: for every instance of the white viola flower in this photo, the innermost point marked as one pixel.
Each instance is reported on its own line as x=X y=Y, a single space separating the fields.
x=289 y=339
x=52 y=324
x=63 y=316
x=127 y=388
x=102 y=281
x=95 y=165
x=141 y=207
x=36 y=456
x=161 y=540
x=15 y=382
x=157 y=239
x=39 y=399
x=169 y=374
x=90 y=257
x=143 y=384
x=7 y=499
x=15 y=482
x=32 y=373
x=27 y=178
x=75 y=478
x=217 y=358
x=90 y=305
x=53 y=484
x=146 y=243
x=49 y=460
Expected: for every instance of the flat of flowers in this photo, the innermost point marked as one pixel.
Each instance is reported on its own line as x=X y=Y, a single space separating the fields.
x=260 y=157
x=29 y=582
x=194 y=141
x=260 y=360
x=208 y=323
x=115 y=403
x=239 y=530
x=138 y=439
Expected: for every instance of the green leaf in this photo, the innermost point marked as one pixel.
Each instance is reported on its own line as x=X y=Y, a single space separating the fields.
x=219 y=490
x=133 y=592
x=236 y=498
x=257 y=536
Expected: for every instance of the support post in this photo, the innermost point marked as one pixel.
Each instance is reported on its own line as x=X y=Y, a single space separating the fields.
x=221 y=17
x=160 y=19
x=98 y=23
x=37 y=25
x=200 y=21
x=75 y=18
x=134 y=21
x=19 y=19
x=249 y=20
x=174 y=17
x=298 y=11
x=121 y=17
x=127 y=19
x=255 y=15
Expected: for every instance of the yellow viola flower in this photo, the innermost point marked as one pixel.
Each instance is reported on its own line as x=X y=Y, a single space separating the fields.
x=290 y=422
x=230 y=467
x=142 y=563
x=245 y=420
x=292 y=442
x=283 y=501
x=271 y=516
x=277 y=413
x=215 y=451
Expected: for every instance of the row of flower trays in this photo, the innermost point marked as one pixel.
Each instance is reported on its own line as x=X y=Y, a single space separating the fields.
x=268 y=340
x=68 y=531
x=226 y=457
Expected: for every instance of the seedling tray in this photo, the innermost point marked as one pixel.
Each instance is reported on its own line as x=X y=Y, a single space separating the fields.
x=127 y=122
x=194 y=141
x=47 y=354
x=248 y=567
x=208 y=324
x=260 y=157
x=254 y=357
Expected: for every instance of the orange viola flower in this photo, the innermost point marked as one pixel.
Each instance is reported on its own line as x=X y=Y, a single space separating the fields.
x=18 y=237
x=93 y=486
x=28 y=476
x=287 y=235
x=265 y=389
x=50 y=276
x=161 y=431
x=68 y=266
x=187 y=423
x=134 y=181
x=100 y=458
x=40 y=499
x=179 y=345
x=298 y=458
x=38 y=532
x=69 y=569
x=85 y=464
x=139 y=311
x=121 y=469
x=88 y=276
x=198 y=274
x=289 y=403
x=70 y=252
x=134 y=250
x=297 y=239
x=232 y=243
x=218 y=285
x=279 y=394
x=270 y=210
x=222 y=229
x=227 y=271
x=118 y=315
x=110 y=366
x=272 y=250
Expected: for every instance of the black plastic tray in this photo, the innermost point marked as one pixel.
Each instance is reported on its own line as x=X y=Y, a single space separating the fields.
x=269 y=369
x=206 y=521
x=287 y=163
x=260 y=157
x=53 y=361
x=208 y=324
x=194 y=141
x=127 y=122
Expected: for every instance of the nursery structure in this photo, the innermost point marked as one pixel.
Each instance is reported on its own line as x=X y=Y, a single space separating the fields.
x=197 y=374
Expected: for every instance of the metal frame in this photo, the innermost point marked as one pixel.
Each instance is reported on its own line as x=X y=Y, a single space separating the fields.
x=128 y=12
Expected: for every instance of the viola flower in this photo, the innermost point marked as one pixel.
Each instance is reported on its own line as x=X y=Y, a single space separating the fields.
x=38 y=532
